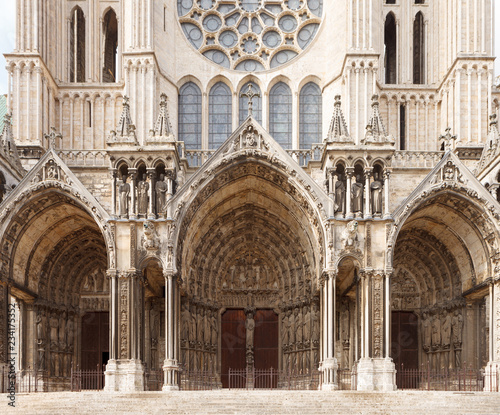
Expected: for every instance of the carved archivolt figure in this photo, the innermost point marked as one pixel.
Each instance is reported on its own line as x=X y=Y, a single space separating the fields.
x=142 y=196
x=123 y=191
x=376 y=189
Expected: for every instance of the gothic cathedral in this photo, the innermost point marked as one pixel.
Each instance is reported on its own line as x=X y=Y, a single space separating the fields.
x=226 y=186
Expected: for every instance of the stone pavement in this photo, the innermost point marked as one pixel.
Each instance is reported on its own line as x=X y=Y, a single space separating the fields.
x=255 y=403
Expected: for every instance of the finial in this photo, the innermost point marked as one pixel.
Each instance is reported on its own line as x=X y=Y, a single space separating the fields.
x=250 y=94
x=52 y=137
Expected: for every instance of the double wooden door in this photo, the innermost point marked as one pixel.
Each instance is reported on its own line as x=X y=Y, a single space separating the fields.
x=233 y=341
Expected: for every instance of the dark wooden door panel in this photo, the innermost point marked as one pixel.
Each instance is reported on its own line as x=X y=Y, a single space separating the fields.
x=233 y=343
x=95 y=340
x=266 y=340
x=404 y=345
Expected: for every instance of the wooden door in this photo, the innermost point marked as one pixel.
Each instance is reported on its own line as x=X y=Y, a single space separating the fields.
x=404 y=345
x=266 y=340
x=233 y=343
x=95 y=340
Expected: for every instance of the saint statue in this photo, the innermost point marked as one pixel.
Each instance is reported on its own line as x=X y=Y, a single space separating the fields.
x=376 y=189
x=339 y=195
x=250 y=327
x=161 y=194
x=123 y=191
x=142 y=196
x=357 y=195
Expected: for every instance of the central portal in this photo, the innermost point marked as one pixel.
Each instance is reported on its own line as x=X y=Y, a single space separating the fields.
x=248 y=340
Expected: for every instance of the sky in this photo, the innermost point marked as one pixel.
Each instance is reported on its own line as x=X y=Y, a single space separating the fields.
x=8 y=34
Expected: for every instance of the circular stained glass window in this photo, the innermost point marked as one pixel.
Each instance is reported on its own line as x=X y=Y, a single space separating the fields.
x=250 y=35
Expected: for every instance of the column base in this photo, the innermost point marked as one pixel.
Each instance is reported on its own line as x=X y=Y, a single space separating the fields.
x=492 y=377
x=376 y=375
x=124 y=375
x=329 y=368
x=171 y=369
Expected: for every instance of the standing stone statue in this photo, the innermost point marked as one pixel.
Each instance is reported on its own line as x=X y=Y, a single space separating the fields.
x=250 y=328
x=427 y=332
x=446 y=330
x=339 y=195
x=124 y=192
x=357 y=195
x=142 y=196
x=436 y=332
x=192 y=325
x=185 y=321
x=376 y=189
x=299 y=322
x=199 y=326
x=315 y=324
x=307 y=325
x=161 y=194
x=456 y=329
x=213 y=328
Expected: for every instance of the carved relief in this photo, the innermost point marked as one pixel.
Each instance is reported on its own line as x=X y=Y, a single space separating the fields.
x=124 y=315
x=378 y=309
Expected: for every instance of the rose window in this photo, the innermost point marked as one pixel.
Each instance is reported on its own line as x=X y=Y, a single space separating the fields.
x=250 y=35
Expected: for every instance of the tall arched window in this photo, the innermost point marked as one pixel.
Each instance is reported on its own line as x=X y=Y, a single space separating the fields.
x=220 y=111
x=77 y=46
x=390 y=43
x=418 y=49
x=110 y=46
x=257 y=103
x=310 y=118
x=190 y=116
x=280 y=114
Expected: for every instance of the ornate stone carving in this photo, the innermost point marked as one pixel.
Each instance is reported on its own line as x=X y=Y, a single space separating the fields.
x=150 y=240
x=162 y=131
x=124 y=317
x=125 y=131
x=349 y=237
x=338 y=128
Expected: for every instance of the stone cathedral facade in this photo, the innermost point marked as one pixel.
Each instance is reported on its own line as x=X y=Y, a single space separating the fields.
x=198 y=185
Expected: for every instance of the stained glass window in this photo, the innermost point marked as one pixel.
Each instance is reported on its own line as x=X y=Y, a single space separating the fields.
x=190 y=116
x=219 y=115
x=310 y=110
x=280 y=114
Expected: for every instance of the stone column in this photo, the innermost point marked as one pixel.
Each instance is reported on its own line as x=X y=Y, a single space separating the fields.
x=330 y=365
x=331 y=191
x=170 y=192
x=125 y=371
x=376 y=370
x=170 y=366
x=113 y=192
x=492 y=370
x=368 y=202
x=387 y=212
x=132 y=211
x=152 y=193
x=349 y=174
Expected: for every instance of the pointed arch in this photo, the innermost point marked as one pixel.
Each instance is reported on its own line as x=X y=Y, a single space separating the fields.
x=77 y=46
x=418 y=49
x=110 y=32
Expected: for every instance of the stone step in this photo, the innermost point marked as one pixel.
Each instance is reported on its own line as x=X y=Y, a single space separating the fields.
x=256 y=403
